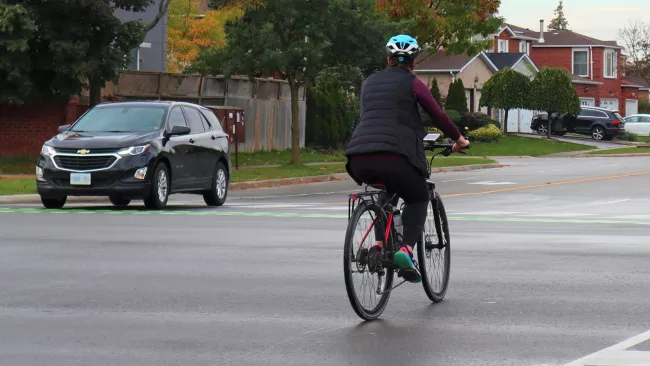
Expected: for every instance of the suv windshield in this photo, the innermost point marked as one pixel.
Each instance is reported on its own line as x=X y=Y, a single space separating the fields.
x=121 y=118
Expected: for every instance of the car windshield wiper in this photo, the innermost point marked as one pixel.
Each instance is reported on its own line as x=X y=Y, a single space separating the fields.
x=117 y=131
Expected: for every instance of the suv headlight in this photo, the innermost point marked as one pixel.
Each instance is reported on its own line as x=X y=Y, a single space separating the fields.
x=134 y=150
x=47 y=151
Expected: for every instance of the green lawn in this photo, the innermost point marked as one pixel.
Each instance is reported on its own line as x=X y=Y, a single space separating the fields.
x=644 y=138
x=17 y=186
x=28 y=186
x=283 y=157
x=625 y=150
x=523 y=146
x=17 y=165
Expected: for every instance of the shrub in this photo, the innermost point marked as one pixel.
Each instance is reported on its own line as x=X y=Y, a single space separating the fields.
x=644 y=106
x=627 y=136
x=496 y=123
x=474 y=121
x=489 y=133
x=454 y=115
x=456 y=98
x=331 y=113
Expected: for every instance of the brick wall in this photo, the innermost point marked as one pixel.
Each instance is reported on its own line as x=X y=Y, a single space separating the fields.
x=24 y=128
x=588 y=91
x=552 y=57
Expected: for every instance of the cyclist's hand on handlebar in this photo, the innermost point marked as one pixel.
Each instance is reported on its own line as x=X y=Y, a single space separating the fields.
x=460 y=144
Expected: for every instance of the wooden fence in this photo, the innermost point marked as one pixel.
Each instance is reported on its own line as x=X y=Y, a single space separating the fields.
x=266 y=102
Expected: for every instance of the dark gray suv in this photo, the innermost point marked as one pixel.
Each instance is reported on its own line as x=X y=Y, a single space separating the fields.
x=600 y=123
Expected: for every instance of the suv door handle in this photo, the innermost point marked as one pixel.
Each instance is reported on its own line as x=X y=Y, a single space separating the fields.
x=212 y=137
x=192 y=141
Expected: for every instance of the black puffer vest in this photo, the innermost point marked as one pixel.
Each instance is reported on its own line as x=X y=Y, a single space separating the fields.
x=390 y=120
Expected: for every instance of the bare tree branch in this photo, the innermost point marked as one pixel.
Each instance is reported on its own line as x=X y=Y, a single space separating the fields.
x=162 y=10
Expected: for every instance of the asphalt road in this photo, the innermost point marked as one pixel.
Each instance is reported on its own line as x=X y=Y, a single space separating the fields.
x=549 y=264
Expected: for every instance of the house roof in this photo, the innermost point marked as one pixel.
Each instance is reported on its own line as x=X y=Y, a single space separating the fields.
x=572 y=39
x=637 y=81
x=625 y=83
x=580 y=80
x=519 y=32
x=441 y=62
x=501 y=60
x=560 y=39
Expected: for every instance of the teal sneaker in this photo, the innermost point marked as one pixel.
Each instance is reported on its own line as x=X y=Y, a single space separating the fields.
x=404 y=260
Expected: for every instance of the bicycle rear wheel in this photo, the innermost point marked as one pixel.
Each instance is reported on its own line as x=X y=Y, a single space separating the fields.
x=367 y=225
x=434 y=251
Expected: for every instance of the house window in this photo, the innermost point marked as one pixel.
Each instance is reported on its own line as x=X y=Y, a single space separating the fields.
x=522 y=46
x=610 y=64
x=581 y=63
x=503 y=46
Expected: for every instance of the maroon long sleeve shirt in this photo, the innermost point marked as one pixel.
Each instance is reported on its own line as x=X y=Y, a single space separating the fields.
x=438 y=116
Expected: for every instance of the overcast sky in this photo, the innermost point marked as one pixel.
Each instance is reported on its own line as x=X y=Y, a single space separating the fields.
x=599 y=19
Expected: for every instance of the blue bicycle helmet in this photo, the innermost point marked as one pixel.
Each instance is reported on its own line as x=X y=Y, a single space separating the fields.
x=402 y=47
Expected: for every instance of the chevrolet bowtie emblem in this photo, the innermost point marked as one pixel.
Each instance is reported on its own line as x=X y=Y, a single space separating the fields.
x=83 y=151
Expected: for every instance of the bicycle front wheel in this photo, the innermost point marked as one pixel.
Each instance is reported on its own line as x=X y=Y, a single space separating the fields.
x=434 y=251
x=370 y=297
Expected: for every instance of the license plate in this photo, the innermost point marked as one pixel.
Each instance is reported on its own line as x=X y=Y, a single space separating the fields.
x=80 y=179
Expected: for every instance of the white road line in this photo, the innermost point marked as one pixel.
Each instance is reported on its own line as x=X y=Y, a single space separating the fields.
x=609 y=166
x=596 y=203
x=486 y=213
x=617 y=354
x=457 y=180
x=565 y=214
x=492 y=183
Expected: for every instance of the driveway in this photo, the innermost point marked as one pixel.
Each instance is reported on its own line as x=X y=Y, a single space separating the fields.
x=584 y=141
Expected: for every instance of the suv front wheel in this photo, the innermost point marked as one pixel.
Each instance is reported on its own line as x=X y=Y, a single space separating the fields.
x=160 y=187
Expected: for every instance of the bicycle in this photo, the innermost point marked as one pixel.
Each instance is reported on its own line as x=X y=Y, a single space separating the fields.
x=382 y=213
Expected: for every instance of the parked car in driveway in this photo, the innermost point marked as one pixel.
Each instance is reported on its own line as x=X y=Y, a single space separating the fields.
x=137 y=150
x=600 y=123
x=539 y=123
x=638 y=124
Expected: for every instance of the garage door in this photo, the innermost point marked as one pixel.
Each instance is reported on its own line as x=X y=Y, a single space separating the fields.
x=609 y=103
x=589 y=102
x=631 y=107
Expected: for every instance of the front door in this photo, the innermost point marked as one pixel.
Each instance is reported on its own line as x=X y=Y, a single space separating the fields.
x=181 y=151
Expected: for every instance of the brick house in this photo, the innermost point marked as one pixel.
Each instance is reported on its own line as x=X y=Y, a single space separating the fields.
x=595 y=65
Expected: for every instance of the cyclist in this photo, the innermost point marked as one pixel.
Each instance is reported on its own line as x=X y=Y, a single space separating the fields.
x=387 y=144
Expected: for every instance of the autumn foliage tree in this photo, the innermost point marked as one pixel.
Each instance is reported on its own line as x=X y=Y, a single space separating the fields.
x=190 y=29
x=450 y=24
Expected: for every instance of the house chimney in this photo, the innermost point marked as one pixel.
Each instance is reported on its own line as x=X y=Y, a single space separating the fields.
x=541 y=31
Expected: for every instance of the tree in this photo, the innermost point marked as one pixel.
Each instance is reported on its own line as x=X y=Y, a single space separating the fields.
x=80 y=44
x=298 y=38
x=507 y=89
x=189 y=29
x=435 y=91
x=636 y=40
x=559 y=23
x=16 y=29
x=552 y=91
x=451 y=24
x=456 y=98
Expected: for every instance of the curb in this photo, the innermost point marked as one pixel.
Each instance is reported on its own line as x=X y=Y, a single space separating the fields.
x=342 y=176
x=34 y=198
x=612 y=155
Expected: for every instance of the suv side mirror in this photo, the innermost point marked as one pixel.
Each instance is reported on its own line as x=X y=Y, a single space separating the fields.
x=64 y=128
x=179 y=130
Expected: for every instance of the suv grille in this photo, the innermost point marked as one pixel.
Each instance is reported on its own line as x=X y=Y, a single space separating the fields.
x=84 y=162
x=94 y=151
